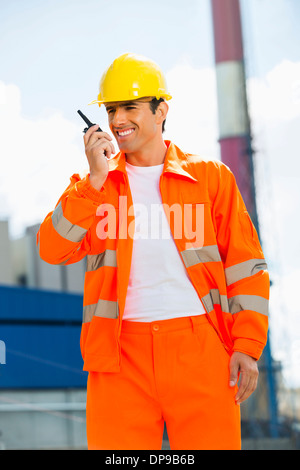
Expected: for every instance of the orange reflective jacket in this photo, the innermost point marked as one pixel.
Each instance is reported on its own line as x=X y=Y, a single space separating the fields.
x=226 y=264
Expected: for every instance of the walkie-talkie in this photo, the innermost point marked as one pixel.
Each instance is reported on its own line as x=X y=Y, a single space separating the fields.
x=88 y=122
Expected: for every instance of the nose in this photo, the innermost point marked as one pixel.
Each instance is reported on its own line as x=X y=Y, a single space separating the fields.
x=119 y=118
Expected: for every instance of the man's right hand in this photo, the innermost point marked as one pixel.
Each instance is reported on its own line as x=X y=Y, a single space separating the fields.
x=98 y=148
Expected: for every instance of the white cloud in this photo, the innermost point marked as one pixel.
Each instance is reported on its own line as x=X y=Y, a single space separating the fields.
x=192 y=119
x=285 y=324
x=276 y=98
x=37 y=158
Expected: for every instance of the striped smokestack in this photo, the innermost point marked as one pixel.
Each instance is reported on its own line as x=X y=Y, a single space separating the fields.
x=234 y=124
x=235 y=137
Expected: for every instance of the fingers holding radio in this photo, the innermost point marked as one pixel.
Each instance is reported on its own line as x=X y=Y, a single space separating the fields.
x=98 y=143
x=98 y=149
x=92 y=136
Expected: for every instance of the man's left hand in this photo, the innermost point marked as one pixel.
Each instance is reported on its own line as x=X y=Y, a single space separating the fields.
x=246 y=366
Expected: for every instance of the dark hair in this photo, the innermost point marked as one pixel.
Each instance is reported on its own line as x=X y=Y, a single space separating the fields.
x=154 y=105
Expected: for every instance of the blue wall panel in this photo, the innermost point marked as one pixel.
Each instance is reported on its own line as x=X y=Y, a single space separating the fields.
x=41 y=333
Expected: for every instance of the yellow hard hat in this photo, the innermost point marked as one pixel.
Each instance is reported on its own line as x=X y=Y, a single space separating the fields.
x=130 y=77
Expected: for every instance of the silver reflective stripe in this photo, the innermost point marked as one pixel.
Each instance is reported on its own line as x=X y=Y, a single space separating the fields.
x=245 y=269
x=106 y=258
x=213 y=298
x=248 y=302
x=103 y=308
x=206 y=254
x=66 y=229
x=236 y=303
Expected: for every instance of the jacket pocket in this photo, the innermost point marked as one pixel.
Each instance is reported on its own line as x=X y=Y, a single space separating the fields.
x=100 y=346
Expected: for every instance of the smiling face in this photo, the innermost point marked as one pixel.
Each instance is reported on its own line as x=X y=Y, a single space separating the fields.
x=134 y=125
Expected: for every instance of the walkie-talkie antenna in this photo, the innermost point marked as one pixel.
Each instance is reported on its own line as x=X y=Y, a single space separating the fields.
x=88 y=122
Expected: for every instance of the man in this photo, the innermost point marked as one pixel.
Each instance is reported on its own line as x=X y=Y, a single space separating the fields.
x=176 y=286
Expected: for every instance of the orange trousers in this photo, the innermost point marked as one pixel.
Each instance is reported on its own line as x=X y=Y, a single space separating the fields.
x=174 y=371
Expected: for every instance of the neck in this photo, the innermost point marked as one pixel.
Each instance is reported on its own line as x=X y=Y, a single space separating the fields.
x=151 y=155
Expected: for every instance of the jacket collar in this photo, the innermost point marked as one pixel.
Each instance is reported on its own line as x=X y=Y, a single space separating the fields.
x=175 y=162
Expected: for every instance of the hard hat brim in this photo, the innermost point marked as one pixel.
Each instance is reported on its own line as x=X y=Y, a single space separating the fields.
x=165 y=96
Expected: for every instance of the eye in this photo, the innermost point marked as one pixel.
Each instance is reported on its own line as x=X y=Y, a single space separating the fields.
x=130 y=107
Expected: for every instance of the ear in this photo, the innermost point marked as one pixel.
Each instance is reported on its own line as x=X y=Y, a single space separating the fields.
x=161 y=112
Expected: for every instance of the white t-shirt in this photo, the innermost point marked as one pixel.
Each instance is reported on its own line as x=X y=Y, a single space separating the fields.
x=159 y=287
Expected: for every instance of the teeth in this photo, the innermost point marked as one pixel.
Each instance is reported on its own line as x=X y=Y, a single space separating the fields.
x=122 y=133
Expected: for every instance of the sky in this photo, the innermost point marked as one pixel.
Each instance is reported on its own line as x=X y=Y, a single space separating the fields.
x=53 y=54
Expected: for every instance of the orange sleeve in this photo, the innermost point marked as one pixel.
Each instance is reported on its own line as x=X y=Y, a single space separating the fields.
x=246 y=273
x=63 y=237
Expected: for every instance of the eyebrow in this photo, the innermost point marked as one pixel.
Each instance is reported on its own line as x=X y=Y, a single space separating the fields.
x=122 y=105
